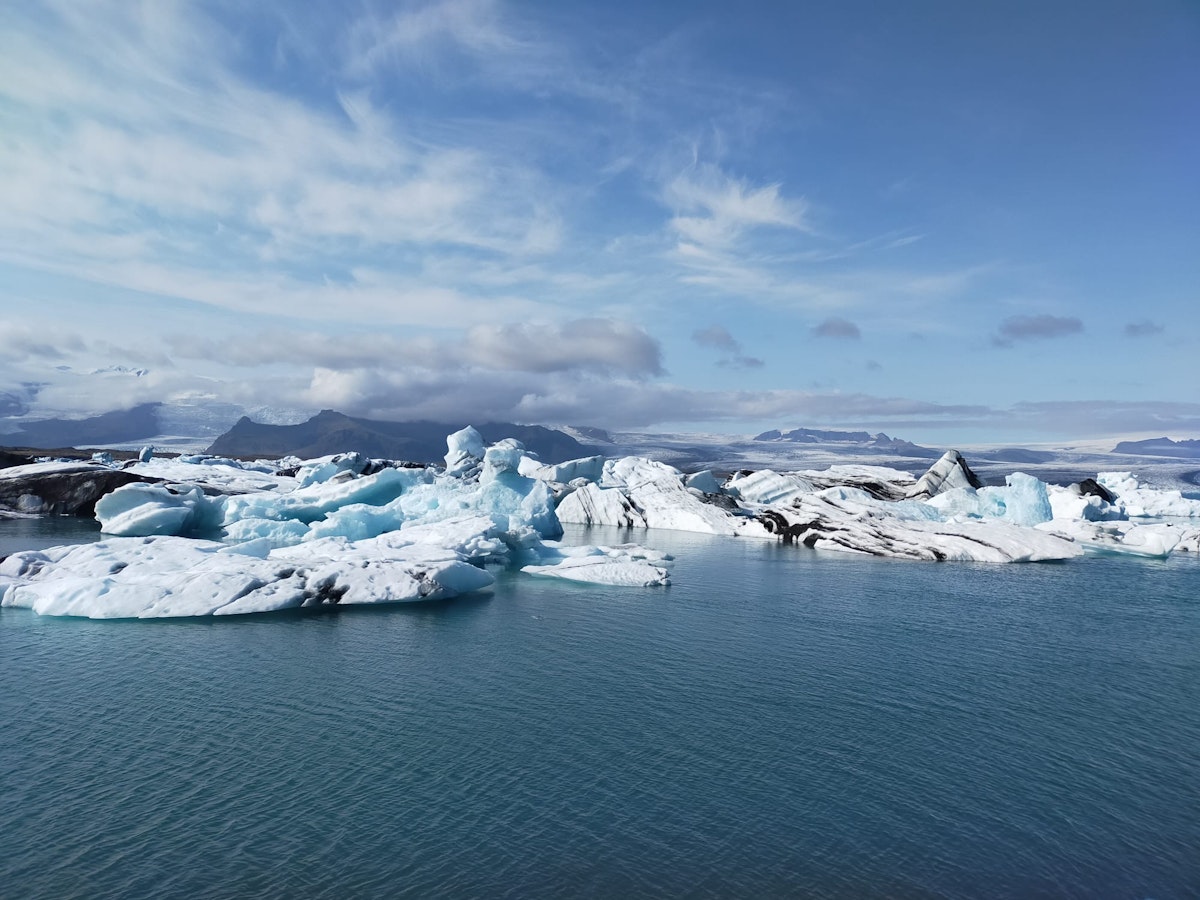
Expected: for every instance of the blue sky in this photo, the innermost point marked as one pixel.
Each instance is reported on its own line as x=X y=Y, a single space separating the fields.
x=949 y=221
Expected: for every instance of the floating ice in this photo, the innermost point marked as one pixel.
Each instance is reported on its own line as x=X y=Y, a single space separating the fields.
x=658 y=496
x=172 y=576
x=1124 y=537
x=464 y=451
x=139 y=510
x=948 y=473
x=590 y=468
x=319 y=471
x=625 y=564
x=346 y=529
x=769 y=488
x=1023 y=501
x=1138 y=502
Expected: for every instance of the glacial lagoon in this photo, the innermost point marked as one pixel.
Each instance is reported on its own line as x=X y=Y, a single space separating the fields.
x=776 y=722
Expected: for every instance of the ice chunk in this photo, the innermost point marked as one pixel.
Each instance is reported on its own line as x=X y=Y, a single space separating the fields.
x=1023 y=501
x=326 y=468
x=224 y=477
x=948 y=473
x=594 y=505
x=840 y=520
x=502 y=456
x=602 y=570
x=138 y=510
x=171 y=576
x=705 y=482
x=625 y=564
x=657 y=493
x=517 y=499
x=1121 y=537
x=308 y=504
x=769 y=488
x=266 y=534
x=1140 y=502
x=590 y=468
x=1072 y=503
x=464 y=451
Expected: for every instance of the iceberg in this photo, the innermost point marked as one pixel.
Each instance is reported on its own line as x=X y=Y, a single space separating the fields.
x=1139 y=502
x=1112 y=538
x=857 y=523
x=211 y=536
x=140 y=510
x=624 y=564
x=1024 y=500
x=464 y=453
x=174 y=576
x=948 y=473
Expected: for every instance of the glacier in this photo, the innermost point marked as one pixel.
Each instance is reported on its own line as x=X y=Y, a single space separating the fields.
x=201 y=535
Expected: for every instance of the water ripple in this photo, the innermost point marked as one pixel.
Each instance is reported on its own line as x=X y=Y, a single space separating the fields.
x=777 y=723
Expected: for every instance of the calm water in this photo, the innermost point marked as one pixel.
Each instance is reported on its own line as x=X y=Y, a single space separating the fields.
x=776 y=723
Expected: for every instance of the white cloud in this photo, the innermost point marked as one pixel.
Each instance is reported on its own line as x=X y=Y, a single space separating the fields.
x=567 y=398
x=139 y=157
x=581 y=345
x=714 y=209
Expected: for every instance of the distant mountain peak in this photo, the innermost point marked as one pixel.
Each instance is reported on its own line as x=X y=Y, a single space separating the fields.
x=330 y=431
x=1162 y=446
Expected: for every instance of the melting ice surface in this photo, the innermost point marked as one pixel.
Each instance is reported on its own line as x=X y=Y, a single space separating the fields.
x=217 y=537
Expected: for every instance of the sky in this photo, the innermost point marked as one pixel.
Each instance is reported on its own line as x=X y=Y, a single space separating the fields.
x=943 y=220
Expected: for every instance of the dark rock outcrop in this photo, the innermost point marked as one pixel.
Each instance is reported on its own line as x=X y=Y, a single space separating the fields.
x=64 y=491
x=1089 y=486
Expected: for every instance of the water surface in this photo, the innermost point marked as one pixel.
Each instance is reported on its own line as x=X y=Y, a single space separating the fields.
x=778 y=722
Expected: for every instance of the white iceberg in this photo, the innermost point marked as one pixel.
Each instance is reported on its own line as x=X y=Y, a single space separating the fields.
x=345 y=529
x=1139 y=502
x=853 y=521
x=625 y=564
x=1024 y=500
x=173 y=576
x=140 y=510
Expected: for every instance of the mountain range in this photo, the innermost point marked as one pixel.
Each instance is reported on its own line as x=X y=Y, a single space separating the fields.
x=425 y=442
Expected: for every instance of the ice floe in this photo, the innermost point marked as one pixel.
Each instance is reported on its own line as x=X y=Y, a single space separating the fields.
x=209 y=536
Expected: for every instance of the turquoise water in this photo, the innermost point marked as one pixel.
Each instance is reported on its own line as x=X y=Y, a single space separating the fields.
x=778 y=722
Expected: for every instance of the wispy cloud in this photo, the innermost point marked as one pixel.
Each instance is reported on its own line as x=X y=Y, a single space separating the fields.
x=177 y=165
x=415 y=35
x=1032 y=328
x=714 y=209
